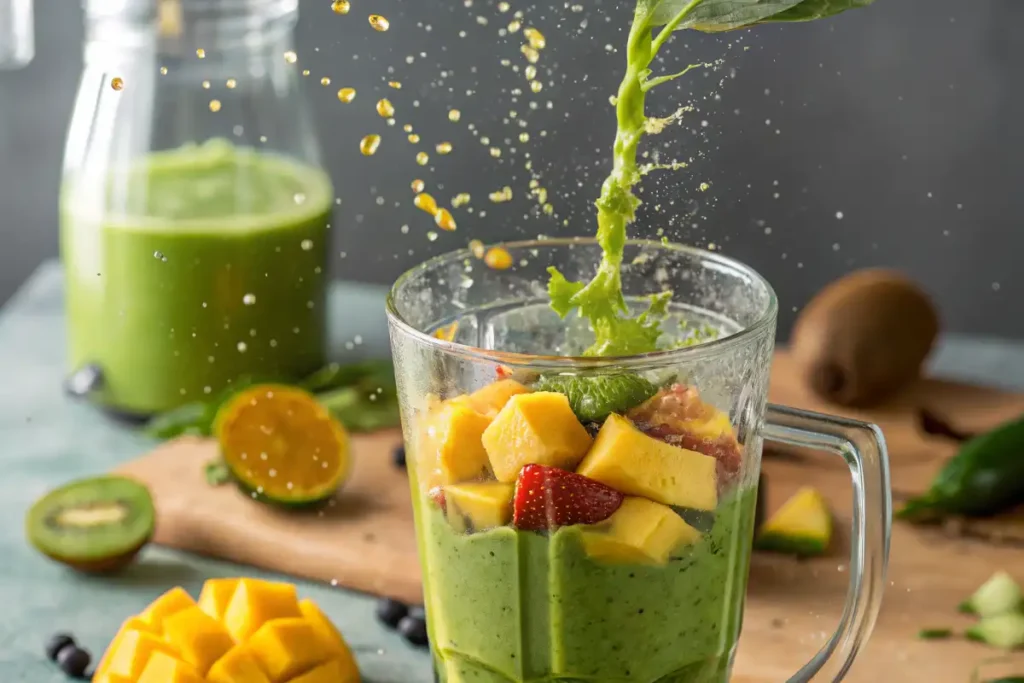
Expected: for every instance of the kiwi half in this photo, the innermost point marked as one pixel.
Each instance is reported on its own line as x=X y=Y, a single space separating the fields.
x=94 y=525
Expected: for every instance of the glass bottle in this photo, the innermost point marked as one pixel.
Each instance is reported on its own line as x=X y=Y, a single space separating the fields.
x=194 y=211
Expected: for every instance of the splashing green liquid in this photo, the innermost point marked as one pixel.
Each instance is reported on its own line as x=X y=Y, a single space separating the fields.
x=601 y=301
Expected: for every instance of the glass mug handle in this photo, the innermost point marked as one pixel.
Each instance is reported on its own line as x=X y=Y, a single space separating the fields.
x=862 y=446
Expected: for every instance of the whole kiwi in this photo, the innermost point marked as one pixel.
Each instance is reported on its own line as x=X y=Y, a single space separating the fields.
x=864 y=337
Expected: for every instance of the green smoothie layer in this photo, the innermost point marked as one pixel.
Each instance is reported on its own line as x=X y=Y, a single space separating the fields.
x=193 y=267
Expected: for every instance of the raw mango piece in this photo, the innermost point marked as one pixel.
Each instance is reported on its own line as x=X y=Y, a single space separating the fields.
x=330 y=637
x=999 y=595
x=331 y=672
x=132 y=651
x=110 y=678
x=237 y=666
x=639 y=532
x=216 y=595
x=287 y=647
x=802 y=526
x=199 y=638
x=492 y=398
x=457 y=442
x=130 y=624
x=475 y=507
x=629 y=461
x=255 y=603
x=537 y=428
x=167 y=604
x=163 y=668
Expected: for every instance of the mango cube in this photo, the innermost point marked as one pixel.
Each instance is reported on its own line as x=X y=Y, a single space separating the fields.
x=331 y=672
x=163 y=668
x=287 y=647
x=537 y=428
x=492 y=398
x=132 y=652
x=327 y=634
x=110 y=678
x=167 y=604
x=130 y=624
x=629 y=461
x=216 y=595
x=257 y=602
x=475 y=507
x=237 y=666
x=639 y=532
x=199 y=638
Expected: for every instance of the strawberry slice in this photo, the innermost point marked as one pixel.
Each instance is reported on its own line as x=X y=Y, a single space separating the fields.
x=436 y=495
x=547 y=497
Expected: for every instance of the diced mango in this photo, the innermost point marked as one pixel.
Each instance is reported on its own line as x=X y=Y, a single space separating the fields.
x=331 y=672
x=216 y=595
x=639 y=532
x=492 y=398
x=256 y=602
x=328 y=635
x=199 y=638
x=452 y=443
x=629 y=461
x=133 y=651
x=163 y=668
x=287 y=647
x=110 y=678
x=237 y=666
x=167 y=604
x=535 y=428
x=130 y=624
x=475 y=507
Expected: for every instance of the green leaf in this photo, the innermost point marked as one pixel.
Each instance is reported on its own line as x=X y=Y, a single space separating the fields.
x=335 y=375
x=594 y=398
x=177 y=422
x=361 y=411
x=217 y=473
x=713 y=16
x=935 y=633
x=810 y=10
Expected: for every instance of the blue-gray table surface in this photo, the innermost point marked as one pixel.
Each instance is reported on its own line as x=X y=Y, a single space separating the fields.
x=48 y=439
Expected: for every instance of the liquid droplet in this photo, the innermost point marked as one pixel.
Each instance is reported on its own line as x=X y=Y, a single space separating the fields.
x=369 y=145
x=242 y=347
x=379 y=23
x=426 y=203
x=385 y=108
x=346 y=95
x=477 y=247
x=444 y=148
x=117 y=83
x=306 y=245
x=498 y=258
x=341 y=6
x=418 y=185
x=444 y=220
x=422 y=158
x=201 y=53
x=249 y=299
x=325 y=81
x=414 y=139
x=291 y=57
x=231 y=83
x=215 y=106
x=454 y=115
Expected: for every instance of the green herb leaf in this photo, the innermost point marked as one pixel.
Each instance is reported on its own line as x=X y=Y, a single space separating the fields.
x=217 y=473
x=810 y=10
x=358 y=412
x=713 y=16
x=335 y=375
x=935 y=633
x=594 y=398
x=177 y=422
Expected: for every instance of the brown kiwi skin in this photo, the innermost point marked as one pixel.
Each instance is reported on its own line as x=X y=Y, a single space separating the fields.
x=104 y=565
x=864 y=337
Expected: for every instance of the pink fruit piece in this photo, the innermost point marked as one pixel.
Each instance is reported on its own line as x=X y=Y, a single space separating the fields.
x=548 y=497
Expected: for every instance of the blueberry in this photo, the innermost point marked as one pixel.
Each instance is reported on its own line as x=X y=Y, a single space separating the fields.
x=390 y=612
x=398 y=456
x=56 y=643
x=73 y=661
x=414 y=629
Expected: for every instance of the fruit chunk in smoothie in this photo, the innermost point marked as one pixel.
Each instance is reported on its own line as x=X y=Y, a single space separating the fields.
x=475 y=507
x=641 y=531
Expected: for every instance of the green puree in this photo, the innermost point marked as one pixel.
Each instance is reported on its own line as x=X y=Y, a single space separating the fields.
x=515 y=606
x=192 y=268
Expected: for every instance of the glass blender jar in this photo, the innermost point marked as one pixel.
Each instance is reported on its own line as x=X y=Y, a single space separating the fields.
x=194 y=211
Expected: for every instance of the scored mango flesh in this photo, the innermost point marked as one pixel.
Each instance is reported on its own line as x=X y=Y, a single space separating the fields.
x=281 y=444
x=261 y=633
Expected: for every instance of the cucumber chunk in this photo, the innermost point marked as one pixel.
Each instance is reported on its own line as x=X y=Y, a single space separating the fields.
x=1005 y=631
x=999 y=595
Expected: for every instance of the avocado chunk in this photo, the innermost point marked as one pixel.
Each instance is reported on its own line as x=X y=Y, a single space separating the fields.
x=535 y=429
x=999 y=595
x=93 y=525
x=1005 y=631
x=475 y=507
x=802 y=526
x=629 y=461
x=639 y=532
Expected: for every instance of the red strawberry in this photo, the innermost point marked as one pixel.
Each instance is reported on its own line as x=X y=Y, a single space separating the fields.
x=436 y=494
x=547 y=497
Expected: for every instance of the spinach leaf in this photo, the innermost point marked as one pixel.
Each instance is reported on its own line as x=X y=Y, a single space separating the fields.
x=713 y=16
x=809 y=10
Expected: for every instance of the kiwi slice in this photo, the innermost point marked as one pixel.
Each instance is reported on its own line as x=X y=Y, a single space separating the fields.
x=93 y=525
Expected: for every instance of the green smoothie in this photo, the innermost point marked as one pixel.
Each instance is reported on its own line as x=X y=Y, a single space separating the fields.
x=192 y=268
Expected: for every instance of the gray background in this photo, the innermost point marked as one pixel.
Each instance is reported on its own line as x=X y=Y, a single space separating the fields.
x=906 y=118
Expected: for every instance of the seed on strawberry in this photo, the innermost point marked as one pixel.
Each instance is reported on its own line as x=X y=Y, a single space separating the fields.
x=547 y=498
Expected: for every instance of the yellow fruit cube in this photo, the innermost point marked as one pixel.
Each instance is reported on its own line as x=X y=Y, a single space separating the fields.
x=453 y=441
x=331 y=672
x=216 y=595
x=167 y=604
x=237 y=666
x=802 y=526
x=256 y=602
x=537 y=428
x=475 y=507
x=130 y=624
x=199 y=638
x=492 y=398
x=110 y=678
x=629 y=461
x=287 y=647
x=639 y=532
x=328 y=635
x=133 y=650
x=163 y=668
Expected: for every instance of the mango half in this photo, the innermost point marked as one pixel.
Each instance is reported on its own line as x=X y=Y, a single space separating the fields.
x=240 y=631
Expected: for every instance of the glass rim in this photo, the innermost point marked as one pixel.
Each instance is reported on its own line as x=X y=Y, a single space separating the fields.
x=573 y=363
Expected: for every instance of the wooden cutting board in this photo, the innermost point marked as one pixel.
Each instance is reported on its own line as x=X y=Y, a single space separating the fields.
x=364 y=540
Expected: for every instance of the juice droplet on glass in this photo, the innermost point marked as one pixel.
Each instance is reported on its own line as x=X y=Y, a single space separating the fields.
x=201 y=53
x=444 y=220
x=291 y=57
x=498 y=258
x=444 y=148
x=477 y=247
x=422 y=158
x=117 y=83
x=368 y=145
x=414 y=139
x=346 y=95
x=341 y=6
x=325 y=81
x=385 y=108
x=454 y=115
x=215 y=106
x=231 y=83
x=418 y=185
x=379 y=23
x=395 y=84
x=426 y=203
